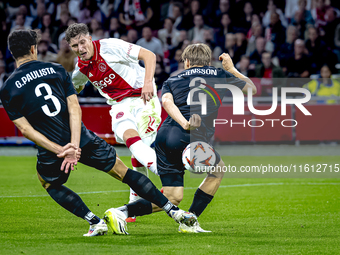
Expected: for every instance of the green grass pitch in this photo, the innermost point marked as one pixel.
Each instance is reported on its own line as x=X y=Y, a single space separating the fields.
x=247 y=215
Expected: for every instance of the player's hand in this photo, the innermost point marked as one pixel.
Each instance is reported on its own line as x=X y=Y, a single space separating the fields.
x=227 y=63
x=71 y=155
x=62 y=154
x=147 y=92
x=194 y=122
x=70 y=160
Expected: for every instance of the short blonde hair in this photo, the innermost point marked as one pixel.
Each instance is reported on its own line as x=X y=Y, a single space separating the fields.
x=198 y=54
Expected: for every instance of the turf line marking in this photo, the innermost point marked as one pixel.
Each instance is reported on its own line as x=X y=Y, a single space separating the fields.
x=189 y=188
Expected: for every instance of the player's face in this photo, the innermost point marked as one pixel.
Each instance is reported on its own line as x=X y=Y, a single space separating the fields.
x=82 y=46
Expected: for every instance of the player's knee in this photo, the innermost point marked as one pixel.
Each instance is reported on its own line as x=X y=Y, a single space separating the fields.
x=219 y=170
x=129 y=134
x=119 y=170
x=43 y=183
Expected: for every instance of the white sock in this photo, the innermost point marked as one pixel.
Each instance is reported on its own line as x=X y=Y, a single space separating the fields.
x=143 y=153
x=124 y=210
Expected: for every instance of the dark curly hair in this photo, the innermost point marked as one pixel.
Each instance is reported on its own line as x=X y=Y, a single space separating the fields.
x=75 y=30
x=20 y=42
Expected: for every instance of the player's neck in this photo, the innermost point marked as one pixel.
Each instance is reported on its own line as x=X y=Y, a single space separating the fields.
x=194 y=66
x=24 y=60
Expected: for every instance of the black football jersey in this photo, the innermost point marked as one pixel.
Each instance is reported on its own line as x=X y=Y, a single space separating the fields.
x=191 y=86
x=38 y=91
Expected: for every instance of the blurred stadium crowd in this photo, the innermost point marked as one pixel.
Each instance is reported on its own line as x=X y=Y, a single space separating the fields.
x=266 y=39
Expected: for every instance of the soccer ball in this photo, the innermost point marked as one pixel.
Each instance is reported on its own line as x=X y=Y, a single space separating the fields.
x=198 y=157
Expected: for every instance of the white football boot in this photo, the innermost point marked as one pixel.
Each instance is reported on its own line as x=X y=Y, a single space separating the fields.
x=183 y=217
x=115 y=220
x=97 y=229
x=196 y=228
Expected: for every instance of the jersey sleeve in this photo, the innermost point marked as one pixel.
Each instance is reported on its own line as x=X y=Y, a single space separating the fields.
x=233 y=80
x=11 y=105
x=166 y=88
x=118 y=50
x=78 y=78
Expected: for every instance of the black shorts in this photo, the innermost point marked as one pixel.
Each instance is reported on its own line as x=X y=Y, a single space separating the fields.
x=169 y=145
x=96 y=153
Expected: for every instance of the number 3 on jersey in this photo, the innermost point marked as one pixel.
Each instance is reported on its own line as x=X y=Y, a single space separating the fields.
x=49 y=95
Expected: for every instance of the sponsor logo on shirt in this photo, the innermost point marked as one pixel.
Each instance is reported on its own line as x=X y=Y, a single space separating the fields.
x=119 y=115
x=105 y=82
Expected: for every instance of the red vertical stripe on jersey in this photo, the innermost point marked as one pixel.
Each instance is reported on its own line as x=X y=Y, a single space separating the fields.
x=105 y=78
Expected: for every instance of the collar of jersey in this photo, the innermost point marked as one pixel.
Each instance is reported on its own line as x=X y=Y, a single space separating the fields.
x=28 y=63
x=94 y=58
x=197 y=67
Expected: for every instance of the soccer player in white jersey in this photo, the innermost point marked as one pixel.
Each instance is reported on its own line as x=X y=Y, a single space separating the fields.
x=111 y=65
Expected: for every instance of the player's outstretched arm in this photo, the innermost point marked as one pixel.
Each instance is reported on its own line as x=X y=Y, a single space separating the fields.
x=170 y=107
x=39 y=139
x=35 y=136
x=75 y=119
x=149 y=59
x=72 y=155
x=228 y=65
x=79 y=79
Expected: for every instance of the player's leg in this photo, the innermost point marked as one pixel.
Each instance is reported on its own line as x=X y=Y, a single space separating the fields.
x=174 y=194
x=142 y=150
x=137 y=166
x=150 y=194
x=127 y=129
x=170 y=168
x=172 y=190
x=67 y=198
x=148 y=119
x=206 y=191
x=203 y=196
x=102 y=156
x=138 y=131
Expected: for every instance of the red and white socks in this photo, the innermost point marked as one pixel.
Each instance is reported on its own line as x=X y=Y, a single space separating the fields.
x=143 y=153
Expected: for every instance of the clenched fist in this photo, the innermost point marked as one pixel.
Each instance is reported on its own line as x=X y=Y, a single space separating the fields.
x=194 y=122
x=227 y=63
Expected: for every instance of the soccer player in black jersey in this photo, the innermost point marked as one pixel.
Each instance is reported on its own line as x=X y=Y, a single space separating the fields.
x=41 y=101
x=186 y=123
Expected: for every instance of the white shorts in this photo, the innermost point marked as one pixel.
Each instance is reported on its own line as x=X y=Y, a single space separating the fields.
x=132 y=113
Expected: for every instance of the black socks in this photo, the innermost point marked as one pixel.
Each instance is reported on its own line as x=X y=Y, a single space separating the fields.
x=139 y=208
x=144 y=188
x=72 y=202
x=200 y=202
